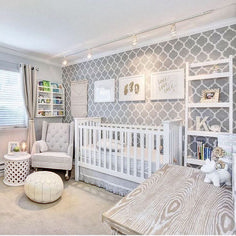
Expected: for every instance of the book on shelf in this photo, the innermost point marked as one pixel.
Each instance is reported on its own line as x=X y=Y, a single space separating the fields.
x=203 y=151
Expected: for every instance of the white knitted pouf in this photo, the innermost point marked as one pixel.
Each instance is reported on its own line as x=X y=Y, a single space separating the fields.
x=43 y=186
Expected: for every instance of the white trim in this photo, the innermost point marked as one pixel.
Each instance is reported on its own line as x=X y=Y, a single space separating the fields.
x=205 y=28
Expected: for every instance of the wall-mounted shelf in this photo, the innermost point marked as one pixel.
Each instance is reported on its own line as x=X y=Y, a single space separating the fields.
x=190 y=105
x=209 y=76
x=50 y=100
x=204 y=105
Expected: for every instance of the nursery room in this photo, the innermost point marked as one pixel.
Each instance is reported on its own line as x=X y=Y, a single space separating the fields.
x=117 y=117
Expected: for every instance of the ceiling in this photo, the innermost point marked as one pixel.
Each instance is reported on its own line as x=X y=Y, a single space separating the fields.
x=53 y=29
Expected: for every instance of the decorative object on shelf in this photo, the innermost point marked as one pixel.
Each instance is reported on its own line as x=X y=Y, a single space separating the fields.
x=104 y=90
x=13 y=146
x=220 y=164
x=200 y=123
x=167 y=85
x=203 y=150
x=211 y=95
x=23 y=146
x=217 y=153
x=217 y=177
x=132 y=88
x=46 y=85
x=215 y=128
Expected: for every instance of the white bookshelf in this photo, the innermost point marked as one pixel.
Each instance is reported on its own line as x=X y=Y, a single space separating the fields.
x=50 y=103
x=189 y=105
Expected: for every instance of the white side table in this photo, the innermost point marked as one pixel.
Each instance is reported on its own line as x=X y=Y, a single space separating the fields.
x=17 y=168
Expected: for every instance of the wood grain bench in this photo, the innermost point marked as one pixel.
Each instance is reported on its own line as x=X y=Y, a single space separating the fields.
x=174 y=200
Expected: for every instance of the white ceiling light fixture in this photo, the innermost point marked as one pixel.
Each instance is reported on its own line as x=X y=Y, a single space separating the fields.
x=89 y=54
x=64 y=62
x=134 y=41
x=173 y=30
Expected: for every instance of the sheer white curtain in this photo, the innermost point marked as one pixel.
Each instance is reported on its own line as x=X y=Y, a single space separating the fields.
x=28 y=74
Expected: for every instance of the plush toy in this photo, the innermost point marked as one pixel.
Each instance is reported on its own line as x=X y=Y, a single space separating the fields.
x=215 y=176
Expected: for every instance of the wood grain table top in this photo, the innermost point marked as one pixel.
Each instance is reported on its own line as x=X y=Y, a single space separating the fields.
x=174 y=200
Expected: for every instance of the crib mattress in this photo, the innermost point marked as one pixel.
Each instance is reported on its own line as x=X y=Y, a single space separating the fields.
x=109 y=159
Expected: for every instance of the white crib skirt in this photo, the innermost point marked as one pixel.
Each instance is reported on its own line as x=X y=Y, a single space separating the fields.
x=112 y=183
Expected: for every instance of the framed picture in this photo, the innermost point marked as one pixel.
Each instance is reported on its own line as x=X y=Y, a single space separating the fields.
x=167 y=85
x=211 y=95
x=104 y=90
x=132 y=88
x=12 y=145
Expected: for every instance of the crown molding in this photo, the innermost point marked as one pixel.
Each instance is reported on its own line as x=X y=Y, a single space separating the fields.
x=213 y=26
x=17 y=52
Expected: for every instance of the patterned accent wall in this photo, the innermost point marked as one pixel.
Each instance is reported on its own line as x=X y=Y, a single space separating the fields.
x=210 y=45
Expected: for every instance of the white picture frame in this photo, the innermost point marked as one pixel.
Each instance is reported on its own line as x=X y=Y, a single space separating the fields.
x=104 y=90
x=132 y=88
x=167 y=85
x=12 y=145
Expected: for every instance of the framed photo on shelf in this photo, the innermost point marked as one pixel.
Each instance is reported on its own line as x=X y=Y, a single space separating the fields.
x=132 y=88
x=12 y=145
x=210 y=95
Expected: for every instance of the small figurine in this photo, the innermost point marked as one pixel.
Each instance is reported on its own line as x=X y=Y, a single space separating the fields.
x=217 y=153
x=215 y=176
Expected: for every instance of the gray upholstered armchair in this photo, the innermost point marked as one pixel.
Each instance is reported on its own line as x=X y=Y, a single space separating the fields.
x=55 y=150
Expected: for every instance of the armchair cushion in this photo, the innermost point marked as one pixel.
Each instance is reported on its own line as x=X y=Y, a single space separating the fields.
x=58 y=137
x=53 y=160
x=43 y=147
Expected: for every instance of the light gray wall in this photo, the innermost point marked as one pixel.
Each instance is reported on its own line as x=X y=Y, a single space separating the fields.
x=46 y=72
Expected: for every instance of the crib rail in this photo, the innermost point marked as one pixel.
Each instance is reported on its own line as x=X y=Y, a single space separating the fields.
x=125 y=151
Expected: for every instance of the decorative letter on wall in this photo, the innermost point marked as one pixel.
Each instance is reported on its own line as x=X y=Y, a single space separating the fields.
x=104 y=90
x=132 y=88
x=167 y=85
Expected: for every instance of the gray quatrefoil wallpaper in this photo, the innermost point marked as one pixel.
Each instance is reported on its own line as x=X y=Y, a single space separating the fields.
x=173 y=54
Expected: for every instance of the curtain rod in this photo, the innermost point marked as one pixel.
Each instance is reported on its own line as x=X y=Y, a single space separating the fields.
x=34 y=67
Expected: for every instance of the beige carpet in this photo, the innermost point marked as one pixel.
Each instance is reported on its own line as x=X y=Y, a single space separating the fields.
x=78 y=211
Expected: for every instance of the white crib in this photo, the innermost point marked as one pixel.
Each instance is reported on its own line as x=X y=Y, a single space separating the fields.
x=127 y=152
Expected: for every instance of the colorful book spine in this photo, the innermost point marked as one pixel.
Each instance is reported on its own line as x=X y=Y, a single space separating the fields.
x=203 y=151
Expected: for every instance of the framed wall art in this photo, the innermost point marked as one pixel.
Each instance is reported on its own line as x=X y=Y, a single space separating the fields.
x=104 y=90
x=210 y=95
x=132 y=88
x=167 y=85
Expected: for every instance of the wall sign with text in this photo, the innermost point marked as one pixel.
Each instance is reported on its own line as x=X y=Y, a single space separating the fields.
x=167 y=85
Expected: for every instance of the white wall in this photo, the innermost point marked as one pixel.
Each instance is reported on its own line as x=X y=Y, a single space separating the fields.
x=47 y=72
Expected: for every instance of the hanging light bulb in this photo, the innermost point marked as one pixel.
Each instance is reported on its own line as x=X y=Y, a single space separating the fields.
x=134 y=41
x=89 y=54
x=64 y=63
x=173 y=30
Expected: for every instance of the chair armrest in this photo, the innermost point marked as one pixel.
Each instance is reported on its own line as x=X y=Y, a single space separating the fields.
x=36 y=147
x=70 y=150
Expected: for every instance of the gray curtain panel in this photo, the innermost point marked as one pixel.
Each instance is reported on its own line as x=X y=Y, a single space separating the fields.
x=28 y=74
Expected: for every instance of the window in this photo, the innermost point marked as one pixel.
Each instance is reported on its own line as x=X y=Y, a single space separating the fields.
x=12 y=106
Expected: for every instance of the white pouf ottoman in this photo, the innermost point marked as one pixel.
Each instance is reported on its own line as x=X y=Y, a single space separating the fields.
x=43 y=186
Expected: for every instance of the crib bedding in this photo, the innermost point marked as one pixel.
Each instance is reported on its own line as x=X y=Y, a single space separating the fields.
x=93 y=151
